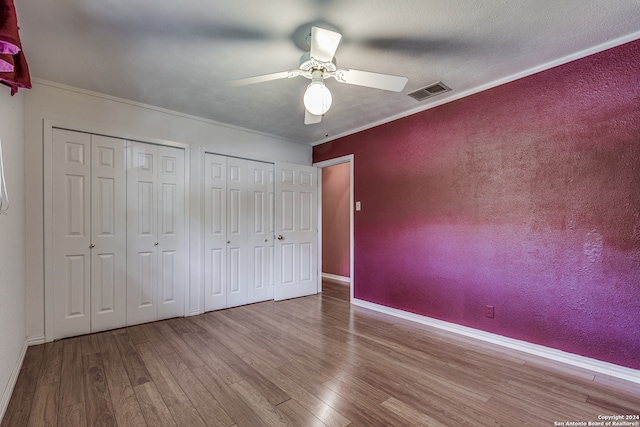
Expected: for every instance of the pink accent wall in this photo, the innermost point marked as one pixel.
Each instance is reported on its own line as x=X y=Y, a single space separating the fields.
x=525 y=197
x=335 y=220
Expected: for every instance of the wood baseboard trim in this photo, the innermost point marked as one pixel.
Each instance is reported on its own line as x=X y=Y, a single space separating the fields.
x=593 y=365
x=337 y=279
x=8 y=391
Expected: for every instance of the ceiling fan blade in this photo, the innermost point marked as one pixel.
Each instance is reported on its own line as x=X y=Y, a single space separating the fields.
x=263 y=78
x=369 y=79
x=311 y=119
x=324 y=44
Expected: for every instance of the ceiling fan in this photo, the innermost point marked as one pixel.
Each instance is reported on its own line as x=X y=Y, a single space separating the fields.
x=319 y=64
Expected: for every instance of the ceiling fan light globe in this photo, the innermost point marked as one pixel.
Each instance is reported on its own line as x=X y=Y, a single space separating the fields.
x=317 y=98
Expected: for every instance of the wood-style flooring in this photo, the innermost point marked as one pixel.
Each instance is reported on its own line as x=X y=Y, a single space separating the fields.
x=313 y=361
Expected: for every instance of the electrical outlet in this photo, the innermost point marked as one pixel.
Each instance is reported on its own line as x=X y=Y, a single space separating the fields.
x=488 y=311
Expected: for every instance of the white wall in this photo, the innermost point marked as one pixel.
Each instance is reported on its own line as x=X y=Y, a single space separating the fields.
x=12 y=243
x=101 y=114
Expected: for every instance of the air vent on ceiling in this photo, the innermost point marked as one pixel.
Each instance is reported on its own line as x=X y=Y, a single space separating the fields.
x=429 y=91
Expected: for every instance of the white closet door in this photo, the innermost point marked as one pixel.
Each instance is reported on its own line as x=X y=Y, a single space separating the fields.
x=108 y=233
x=142 y=238
x=156 y=255
x=296 y=227
x=171 y=251
x=261 y=227
x=215 y=229
x=71 y=176
x=239 y=228
x=237 y=232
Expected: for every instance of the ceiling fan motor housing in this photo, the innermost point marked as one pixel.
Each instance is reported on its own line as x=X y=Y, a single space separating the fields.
x=307 y=63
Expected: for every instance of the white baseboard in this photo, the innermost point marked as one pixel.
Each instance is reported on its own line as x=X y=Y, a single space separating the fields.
x=35 y=340
x=8 y=391
x=336 y=278
x=594 y=365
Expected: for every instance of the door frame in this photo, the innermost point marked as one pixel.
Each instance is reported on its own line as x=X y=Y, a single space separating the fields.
x=320 y=165
x=78 y=126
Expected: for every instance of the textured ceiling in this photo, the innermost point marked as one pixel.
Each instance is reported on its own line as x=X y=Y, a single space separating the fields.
x=177 y=54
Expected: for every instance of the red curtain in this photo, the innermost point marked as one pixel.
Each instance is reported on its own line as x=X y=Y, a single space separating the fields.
x=14 y=71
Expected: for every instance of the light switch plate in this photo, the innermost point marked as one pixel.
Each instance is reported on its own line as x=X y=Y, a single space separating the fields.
x=357 y=206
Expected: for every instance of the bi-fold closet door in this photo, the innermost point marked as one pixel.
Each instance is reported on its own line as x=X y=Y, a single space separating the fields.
x=117 y=230
x=239 y=231
x=88 y=233
x=156 y=254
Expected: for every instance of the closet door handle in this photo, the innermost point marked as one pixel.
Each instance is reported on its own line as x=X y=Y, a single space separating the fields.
x=155 y=244
x=92 y=246
x=280 y=237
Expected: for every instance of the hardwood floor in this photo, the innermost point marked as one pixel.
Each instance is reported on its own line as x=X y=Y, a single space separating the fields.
x=313 y=361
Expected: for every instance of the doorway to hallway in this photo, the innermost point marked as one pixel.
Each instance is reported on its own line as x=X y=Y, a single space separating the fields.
x=336 y=221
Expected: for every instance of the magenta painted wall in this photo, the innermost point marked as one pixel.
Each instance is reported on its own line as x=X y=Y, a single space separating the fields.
x=525 y=197
x=335 y=220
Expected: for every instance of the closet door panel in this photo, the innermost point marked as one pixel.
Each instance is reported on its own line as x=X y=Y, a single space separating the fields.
x=71 y=210
x=272 y=231
x=103 y=284
x=215 y=232
x=145 y=283
x=260 y=222
x=108 y=233
x=237 y=232
x=142 y=239
x=171 y=250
